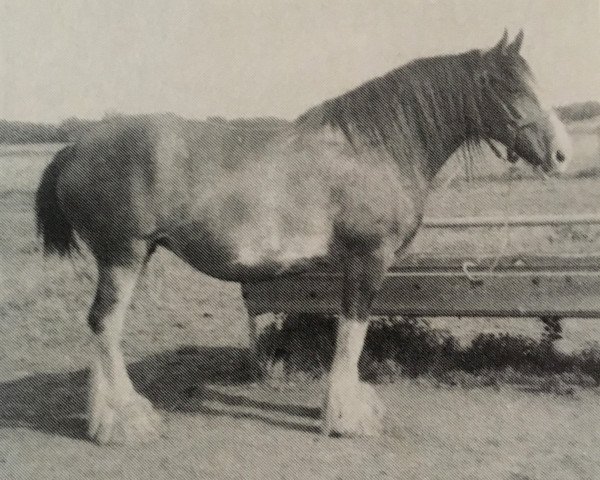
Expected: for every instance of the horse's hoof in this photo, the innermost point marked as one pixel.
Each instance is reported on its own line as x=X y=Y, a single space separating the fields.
x=353 y=412
x=133 y=423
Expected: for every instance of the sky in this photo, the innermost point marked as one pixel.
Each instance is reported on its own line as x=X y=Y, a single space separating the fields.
x=86 y=58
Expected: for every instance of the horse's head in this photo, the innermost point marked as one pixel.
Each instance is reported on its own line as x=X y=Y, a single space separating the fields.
x=515 y=112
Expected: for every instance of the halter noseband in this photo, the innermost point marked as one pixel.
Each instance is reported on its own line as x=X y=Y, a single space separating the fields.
x=516 y=122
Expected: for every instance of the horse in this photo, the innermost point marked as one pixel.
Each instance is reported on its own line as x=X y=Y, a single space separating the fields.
x=343 y=185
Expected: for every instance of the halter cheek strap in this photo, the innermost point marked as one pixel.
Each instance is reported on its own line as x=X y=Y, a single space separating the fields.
x=516 y=122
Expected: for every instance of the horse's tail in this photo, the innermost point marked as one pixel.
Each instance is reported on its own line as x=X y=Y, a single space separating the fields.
x=52 y=224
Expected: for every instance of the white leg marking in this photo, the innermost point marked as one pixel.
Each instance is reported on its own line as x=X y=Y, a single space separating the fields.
x=116 y=412
x=352 y=408
x=256 y=326
x=253 y=345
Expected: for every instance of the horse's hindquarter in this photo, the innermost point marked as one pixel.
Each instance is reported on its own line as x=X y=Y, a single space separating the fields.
x=130 y=177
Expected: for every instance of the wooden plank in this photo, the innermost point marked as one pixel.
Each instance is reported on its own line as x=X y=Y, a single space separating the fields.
x=420 y=262
x=515 y=262
x=506 y=294
x=519 y=221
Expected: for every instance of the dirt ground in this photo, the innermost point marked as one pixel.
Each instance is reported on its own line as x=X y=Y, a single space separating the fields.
x=240 y=432
x=185 y=340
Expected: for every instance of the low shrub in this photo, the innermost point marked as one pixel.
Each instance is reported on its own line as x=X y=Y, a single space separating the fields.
x=591 y=172
x=400 y=347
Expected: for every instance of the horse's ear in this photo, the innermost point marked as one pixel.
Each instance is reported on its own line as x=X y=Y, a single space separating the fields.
x=500 y=47
x=515 y=47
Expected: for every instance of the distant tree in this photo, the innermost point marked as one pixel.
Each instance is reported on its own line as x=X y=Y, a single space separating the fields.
x=72 y=128
x=266 y=123
x=28 y=132
x=259 y=129
x=216 y=119
x=579 y=111
x=113 y=115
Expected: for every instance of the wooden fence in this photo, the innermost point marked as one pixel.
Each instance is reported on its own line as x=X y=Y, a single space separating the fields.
x=517 y=286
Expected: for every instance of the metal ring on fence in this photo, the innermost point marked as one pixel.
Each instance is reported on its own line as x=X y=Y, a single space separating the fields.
x=465 y=268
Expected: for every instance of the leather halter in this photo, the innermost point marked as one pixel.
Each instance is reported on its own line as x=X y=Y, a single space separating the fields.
x=516 y=122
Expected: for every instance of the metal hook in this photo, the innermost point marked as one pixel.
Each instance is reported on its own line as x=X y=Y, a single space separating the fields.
x=472 y=278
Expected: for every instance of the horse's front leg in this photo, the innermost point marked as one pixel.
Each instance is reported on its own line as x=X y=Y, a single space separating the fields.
x=352 y=408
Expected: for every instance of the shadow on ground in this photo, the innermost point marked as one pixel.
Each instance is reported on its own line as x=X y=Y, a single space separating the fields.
x=195 y=380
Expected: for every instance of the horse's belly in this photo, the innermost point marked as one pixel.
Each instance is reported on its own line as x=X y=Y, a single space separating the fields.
x=261 y=249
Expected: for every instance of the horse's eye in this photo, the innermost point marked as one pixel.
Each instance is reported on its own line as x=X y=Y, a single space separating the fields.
x=510 y=82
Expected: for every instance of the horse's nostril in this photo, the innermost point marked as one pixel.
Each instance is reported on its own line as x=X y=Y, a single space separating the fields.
x=560 y=156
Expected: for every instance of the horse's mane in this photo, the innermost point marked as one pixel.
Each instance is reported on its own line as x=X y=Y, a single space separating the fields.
x=420 y=104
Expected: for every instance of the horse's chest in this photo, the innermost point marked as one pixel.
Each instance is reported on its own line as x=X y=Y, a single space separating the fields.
x=380 y=210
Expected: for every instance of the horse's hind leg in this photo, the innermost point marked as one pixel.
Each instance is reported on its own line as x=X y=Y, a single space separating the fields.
x=116 y=412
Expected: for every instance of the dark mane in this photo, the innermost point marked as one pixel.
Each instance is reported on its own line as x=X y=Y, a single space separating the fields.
x=418 y=105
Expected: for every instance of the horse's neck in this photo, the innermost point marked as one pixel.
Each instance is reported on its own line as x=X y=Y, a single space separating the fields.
x=431 y=162
x=419 y=169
